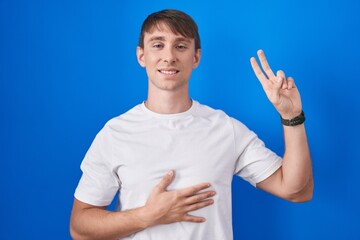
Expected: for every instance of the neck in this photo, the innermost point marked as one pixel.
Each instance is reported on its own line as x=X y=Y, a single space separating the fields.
x=168 y=102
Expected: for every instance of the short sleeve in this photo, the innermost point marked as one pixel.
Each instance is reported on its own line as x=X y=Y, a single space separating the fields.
x=254 y=161
x=99 y=182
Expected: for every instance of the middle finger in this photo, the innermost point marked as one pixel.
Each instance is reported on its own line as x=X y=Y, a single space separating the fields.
x=265 y=65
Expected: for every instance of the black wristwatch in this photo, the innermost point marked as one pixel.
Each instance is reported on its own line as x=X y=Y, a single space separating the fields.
x=294 y=121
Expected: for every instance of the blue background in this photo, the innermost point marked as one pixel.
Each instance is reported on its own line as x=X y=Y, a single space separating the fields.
x=66 y=67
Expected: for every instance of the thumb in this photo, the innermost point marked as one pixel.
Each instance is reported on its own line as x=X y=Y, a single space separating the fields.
x=165 y=181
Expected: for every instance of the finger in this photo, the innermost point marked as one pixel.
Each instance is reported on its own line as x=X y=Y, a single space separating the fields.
x=190 y=218
x=199 y=197
x=280 y=74
x=257 y=70
x=189 y=191
x=199 y=205
x=165 y=181
x=265 y=64
x=291 y=83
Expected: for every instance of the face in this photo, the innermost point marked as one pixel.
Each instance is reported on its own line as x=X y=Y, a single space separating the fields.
x=168 y=58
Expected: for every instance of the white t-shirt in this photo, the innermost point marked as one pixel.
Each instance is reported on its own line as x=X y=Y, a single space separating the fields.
x=135 y=150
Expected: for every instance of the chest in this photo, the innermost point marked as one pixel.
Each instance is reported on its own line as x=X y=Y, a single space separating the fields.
x=201 y=155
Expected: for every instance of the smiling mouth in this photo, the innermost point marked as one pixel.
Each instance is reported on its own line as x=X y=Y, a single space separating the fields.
x=168 y=72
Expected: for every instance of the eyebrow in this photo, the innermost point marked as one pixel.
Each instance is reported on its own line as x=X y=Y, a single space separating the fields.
x=161 y=38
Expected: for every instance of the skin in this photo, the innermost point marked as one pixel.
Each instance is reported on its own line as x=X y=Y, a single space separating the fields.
x=169 y=60
x=163 y=207
x=294 y=180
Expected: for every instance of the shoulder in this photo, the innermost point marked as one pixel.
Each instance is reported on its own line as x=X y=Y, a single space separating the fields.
x=239 y=130
x=210 y=112
x=125 y=120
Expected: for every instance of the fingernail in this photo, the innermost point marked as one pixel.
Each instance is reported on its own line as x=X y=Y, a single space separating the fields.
x=278 y=79
x=170 y=173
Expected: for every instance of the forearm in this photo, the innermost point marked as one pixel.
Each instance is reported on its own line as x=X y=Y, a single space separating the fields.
x=97 y=223
x=162 y=207
x=296 y=169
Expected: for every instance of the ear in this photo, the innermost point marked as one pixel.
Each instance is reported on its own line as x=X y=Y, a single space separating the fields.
x=197 y=58
x=140 y=56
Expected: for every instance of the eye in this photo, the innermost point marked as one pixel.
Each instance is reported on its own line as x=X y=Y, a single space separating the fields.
x=157 y=45
x=181 y=47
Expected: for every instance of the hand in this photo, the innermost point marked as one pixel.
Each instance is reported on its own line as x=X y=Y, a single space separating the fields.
x=281 y=91
x=165 y=207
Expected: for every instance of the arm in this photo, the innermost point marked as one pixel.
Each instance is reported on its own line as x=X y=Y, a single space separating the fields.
x=92 y=222
x=294 y=180
x=163 y=207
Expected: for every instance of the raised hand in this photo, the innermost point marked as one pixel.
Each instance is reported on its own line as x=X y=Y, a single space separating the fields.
x=165 y=207
x=281 y=91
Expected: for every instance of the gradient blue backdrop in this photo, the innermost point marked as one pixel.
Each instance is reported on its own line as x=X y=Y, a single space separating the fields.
x=66 y=67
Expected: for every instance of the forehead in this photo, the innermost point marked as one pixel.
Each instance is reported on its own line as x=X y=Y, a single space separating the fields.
x=164 y=31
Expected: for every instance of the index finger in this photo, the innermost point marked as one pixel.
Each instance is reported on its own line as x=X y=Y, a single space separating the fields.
x=258 y=72
x=264 y=64
x=189 y=191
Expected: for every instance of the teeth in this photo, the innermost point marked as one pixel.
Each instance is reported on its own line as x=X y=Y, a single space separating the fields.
x=168 y=72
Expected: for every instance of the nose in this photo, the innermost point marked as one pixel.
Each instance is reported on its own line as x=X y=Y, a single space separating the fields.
x=169 y=55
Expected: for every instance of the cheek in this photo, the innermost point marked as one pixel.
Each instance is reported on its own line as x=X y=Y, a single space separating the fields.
x=150 y=57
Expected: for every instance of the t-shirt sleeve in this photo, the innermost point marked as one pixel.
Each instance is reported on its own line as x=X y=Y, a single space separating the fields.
x=99 y=182
x=254 y=161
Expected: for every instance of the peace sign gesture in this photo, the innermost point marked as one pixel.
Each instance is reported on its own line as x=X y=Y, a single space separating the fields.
x=281 y=91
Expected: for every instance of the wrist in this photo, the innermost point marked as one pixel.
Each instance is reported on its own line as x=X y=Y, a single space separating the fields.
x=293 y=121
x=144 y=217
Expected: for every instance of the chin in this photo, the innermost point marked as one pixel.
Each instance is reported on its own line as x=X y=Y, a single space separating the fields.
x=170 y=85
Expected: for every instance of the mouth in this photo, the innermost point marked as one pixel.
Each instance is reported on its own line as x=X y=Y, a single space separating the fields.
x=168 y=71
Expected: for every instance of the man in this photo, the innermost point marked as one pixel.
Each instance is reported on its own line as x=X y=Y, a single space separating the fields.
x=172 y=159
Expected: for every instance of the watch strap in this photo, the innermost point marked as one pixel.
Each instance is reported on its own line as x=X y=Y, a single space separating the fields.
x=294 y=121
